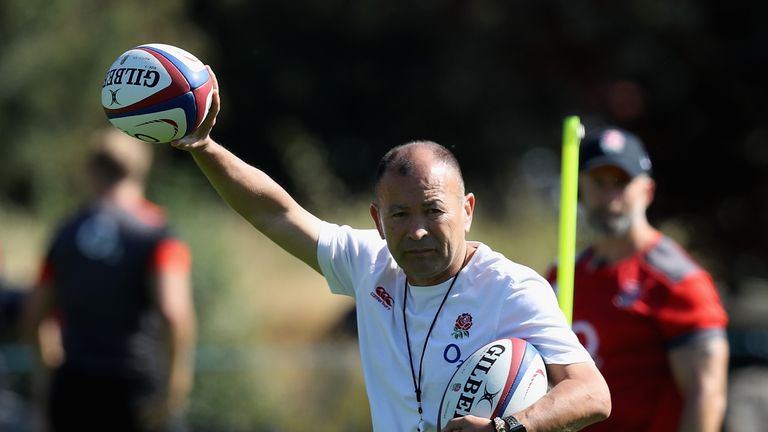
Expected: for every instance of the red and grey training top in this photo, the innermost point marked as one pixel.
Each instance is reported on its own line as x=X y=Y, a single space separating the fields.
x=630 y=314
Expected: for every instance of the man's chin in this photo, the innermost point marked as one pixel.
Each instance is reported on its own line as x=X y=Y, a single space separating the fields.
x=610 y=229
x=424 y=277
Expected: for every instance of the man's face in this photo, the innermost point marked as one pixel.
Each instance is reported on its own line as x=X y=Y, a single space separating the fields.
x=613 y=200
x=424 y=218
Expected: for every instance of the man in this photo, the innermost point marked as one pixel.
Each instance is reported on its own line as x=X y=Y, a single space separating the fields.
x=117 y=284
x=412 y=278
x=648 y=314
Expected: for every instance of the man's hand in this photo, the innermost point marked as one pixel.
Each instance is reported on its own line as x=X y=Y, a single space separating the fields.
x=201 y=136
x=470 y=423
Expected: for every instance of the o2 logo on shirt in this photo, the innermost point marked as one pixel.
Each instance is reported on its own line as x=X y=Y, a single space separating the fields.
x=452 y=354
x=589 y=338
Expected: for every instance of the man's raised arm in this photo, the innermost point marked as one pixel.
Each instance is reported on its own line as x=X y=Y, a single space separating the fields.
x=252 y=193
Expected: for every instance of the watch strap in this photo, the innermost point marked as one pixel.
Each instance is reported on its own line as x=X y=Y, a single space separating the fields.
x=513 y=425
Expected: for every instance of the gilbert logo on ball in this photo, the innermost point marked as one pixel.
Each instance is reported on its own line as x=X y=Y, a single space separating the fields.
x=156 y=92
x=499 y=379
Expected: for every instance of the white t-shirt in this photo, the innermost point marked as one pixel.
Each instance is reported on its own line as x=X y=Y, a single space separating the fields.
x=499 y=297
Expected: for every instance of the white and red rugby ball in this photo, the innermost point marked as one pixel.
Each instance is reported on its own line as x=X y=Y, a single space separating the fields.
x=157 y=92
x=499 y=379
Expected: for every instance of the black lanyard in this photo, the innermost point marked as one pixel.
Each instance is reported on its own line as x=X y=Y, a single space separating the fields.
x=417 y=384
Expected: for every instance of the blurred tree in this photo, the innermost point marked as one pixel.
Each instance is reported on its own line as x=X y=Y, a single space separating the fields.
x=316 y=90
x=491 y=78
x=494 y=78
x=52 y=60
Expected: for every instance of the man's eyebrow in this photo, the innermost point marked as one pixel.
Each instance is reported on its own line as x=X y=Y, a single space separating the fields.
x=432 y=201
x=436 y=202
x=394 y=207
x=428 y=203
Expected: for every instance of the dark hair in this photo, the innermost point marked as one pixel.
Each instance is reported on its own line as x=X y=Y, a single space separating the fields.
x=399 y=160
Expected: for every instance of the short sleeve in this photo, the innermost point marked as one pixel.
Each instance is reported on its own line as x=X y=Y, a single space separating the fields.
x=46 y=274
x=171 y=255
x=346 y=256
x=534 y=315
x=691 y=304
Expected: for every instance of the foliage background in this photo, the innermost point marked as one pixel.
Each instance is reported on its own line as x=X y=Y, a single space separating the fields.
x=315 y=91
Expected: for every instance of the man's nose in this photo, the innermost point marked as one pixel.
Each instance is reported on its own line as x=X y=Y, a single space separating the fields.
x=609 y=194
x=418 y=229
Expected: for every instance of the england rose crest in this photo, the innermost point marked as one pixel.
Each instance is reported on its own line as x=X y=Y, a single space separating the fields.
x=462 y=326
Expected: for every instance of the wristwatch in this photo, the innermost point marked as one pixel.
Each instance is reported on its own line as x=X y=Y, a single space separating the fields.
x=499 y=425
x=508 y=424
x=513 y=425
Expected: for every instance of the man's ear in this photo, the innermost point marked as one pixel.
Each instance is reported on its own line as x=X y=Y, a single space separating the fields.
x=377 y=220
x=651 y=191
x=469 y=210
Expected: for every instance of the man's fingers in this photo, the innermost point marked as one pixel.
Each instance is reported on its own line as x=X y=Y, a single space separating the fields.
x=199 y=137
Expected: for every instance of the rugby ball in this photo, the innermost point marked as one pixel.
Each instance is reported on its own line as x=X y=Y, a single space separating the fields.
x=157 y=92
x=499 y=379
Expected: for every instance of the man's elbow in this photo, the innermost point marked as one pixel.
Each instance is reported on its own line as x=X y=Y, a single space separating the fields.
x=596 y=401
x=602 y=402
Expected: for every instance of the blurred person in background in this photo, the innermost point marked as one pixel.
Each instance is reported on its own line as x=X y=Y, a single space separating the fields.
x=414 y=278
x=13 y=406
x=650 y=316
x=115 y=285
x=11 y=301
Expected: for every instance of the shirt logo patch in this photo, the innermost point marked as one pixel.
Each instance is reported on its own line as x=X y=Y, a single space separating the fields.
x=628 y=294
x=98 y=238
x=382 y=296
x=462 y=326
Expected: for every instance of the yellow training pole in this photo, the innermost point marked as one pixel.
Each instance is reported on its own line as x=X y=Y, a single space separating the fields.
x=573 y=131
